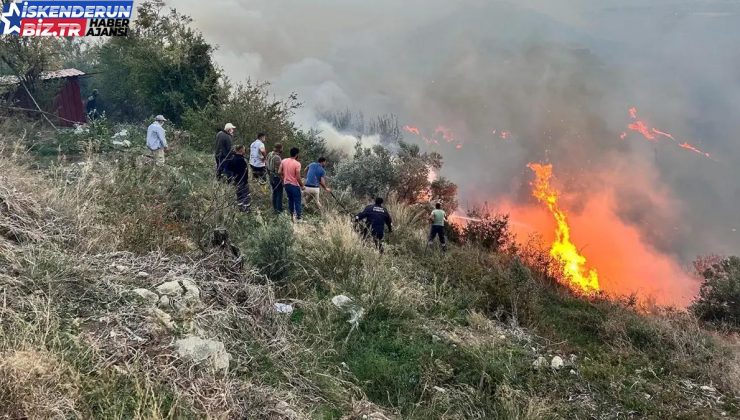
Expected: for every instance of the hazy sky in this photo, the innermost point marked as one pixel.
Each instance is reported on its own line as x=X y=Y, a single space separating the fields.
x=560 y=75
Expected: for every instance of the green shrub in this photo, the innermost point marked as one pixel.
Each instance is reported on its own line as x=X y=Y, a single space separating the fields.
x=719 y=297
x=95 y=137
x=509 y=289
x=271 y=248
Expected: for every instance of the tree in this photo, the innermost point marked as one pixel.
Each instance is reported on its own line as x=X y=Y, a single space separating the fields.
x=445 y=192
x=377 y=171
x=413 y=172
x=371 y=173
x=719 y=295
x=162 y=67
x=252 y=110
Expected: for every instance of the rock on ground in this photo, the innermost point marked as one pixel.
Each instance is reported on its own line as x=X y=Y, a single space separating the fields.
x=147 y=296
x=181 y=289
x=200 y=350
x=557 y=362
x=539 y=363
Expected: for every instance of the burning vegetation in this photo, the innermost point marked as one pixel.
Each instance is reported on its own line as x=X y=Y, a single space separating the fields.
x=575 y=272
x=653 y=134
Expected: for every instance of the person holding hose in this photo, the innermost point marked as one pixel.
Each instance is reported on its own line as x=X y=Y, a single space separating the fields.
x=438 y=219
x=315 y=180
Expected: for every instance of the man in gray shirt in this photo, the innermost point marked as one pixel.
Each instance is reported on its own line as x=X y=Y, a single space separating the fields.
x=224 y=140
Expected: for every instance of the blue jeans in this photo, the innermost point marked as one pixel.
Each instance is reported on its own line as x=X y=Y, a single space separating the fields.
x=277 y=193
x=294 y=199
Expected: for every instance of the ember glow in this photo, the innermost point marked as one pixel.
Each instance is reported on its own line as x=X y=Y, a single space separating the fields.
x=445 y=132
x=652 y=134
x=412 y=130
x=503 y=134
x=575 y=273
x=441 y=133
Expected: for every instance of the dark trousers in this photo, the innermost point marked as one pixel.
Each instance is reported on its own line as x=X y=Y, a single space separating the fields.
x=259 y=173
x=294 y=199
x=220 y=166
x=277 y=193
x=242 y=194
x=378 y=240
x=437 y=231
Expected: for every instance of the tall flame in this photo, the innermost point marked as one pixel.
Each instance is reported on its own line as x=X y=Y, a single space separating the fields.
x=575 y=273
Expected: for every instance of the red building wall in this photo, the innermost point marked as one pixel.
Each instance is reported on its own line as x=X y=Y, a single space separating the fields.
x=69 y=103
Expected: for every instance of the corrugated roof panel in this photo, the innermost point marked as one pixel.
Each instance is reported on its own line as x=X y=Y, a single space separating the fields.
x=61 y=74
x=47 y=75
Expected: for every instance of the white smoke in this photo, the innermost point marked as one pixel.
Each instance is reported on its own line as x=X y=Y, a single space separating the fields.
x=343 y=142
x=560 y=75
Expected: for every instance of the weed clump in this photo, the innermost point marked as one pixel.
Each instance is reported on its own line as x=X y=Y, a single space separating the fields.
x=719 y=297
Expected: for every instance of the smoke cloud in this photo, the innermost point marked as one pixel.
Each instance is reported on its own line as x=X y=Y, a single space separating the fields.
x=558 y=76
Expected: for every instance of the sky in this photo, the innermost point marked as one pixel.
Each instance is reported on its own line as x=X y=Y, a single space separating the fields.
x=559 y=76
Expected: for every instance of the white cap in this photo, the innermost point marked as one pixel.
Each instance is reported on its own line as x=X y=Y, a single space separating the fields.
x=229 y=126
x=160 y=118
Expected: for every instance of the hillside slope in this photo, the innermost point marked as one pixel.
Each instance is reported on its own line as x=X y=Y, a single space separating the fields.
x=117 y=302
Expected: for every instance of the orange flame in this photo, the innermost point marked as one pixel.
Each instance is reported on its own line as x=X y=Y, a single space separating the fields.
x=412 y=130
x=575 y=273
x=650 y=133
x=643 y=129
x=694 y=149
x=446 y=133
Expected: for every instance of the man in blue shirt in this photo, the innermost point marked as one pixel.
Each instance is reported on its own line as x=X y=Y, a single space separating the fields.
x=155 y=139
x=315 y=180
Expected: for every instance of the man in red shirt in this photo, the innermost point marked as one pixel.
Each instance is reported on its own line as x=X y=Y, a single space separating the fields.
x=290 y=171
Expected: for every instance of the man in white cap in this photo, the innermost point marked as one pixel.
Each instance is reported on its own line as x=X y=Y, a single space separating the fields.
x=224 y=141
x=155 y=139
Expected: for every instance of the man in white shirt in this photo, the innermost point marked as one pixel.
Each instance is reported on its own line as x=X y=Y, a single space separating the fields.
x=257 y=157
x=155 y=139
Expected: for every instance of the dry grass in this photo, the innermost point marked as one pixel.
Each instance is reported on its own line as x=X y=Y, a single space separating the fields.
x=37 y=384
x=74 y=338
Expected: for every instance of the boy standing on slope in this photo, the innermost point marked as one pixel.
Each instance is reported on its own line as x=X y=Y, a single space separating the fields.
x=438 y=219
